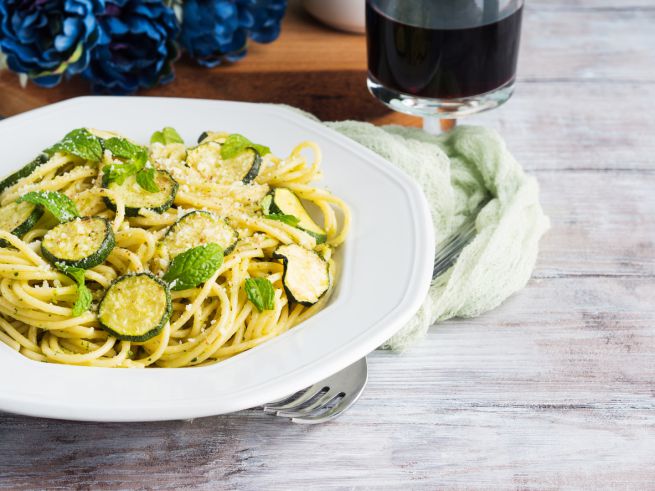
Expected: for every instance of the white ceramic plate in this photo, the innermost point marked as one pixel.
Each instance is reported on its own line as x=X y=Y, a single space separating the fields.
x=386 y=267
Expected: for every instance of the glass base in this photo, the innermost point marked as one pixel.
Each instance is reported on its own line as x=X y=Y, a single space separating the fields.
x=440 y=108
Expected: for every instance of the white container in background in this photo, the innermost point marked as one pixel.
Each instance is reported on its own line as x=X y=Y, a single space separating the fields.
x=346 y=15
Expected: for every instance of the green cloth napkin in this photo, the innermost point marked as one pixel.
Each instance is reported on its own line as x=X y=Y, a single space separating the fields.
x=456 y=171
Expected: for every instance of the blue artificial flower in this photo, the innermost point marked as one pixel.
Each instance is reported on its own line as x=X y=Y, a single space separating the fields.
x=261 y=18
x=47 y=39
x=136 y=48
x=214 y=31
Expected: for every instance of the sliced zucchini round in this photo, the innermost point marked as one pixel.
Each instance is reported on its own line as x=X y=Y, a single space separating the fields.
x=135 y=307
x=306 y=274
x=197 y=228
x=206 y=136
x=81 y=242
x=136 y=198
x=284 y=201
x=12 y=179
x=244 y=167
x=18 y=218
x=206 y=159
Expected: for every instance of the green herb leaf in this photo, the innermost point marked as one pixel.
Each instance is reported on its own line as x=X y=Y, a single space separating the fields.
x=56 y=203
x=261 y=293
x=193 y=267
x=135 y=157
x=236 y=144
x=84 y=297
x=122 y=148
x=79 y=142
x=166 y=136
x=288 y=219
x=119 y=172
x=83 y=301
x=146 y=179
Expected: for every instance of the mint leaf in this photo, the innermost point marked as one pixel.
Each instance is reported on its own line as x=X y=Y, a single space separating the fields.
x=56 y=203
x=121 y=148
x=119 y=172
x=288 y=219
x=79 y=142
x=135 y=157
x=193 y=267
x=261 y=293
x=235 y=144
x=166 y=136
x=146 y=179
x=84 y=297
x=83 y=301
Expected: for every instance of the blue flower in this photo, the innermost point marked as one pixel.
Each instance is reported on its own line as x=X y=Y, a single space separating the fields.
x=262 y=18
x=136 y=48
x=47 y=39
x=214 y=31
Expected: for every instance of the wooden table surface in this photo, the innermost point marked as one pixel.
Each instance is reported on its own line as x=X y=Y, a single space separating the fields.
x=554 y=389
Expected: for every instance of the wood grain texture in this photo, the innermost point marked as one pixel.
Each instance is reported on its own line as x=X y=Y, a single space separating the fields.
x=555 y=389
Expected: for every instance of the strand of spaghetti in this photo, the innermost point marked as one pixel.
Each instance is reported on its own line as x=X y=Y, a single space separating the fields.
x=55 y=184
x=41 y=318
x=117 y=360
x=24 y=249
x=56 y=161
x=37 y=304
x=15 y=345
x=119 y=203
x=17 y=336
x=161 y=341
x=33 y=355
x=50 y=348
x=218 y=331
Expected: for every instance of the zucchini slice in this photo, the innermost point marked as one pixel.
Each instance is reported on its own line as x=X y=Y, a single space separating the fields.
x=206 y=159
x=306 y=275
x=283 y=201
x=135 y=307
x=244 y=167
x=136 y=198
x=81 y=242
x=19 y=218
x=198 y=228
x=12 y=179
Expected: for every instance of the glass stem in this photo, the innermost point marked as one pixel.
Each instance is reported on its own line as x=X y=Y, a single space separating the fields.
x=434 y=126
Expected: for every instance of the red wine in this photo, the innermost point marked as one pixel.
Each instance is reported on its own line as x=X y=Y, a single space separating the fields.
x=442 y=63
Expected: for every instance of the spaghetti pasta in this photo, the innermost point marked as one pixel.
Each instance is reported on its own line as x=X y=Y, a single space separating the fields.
x=210 y=322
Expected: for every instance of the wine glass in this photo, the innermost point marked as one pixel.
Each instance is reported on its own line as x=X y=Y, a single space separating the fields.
x=442 y=59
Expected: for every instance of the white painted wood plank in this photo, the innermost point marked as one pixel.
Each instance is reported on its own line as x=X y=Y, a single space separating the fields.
x=578 y=126
x=558 y=42
x=603 y=223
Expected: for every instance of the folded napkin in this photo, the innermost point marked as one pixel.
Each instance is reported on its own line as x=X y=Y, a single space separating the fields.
x=457 y=170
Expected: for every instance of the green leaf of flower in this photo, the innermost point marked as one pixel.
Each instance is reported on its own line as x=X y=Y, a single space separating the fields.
x=235 y=144
x=79 y=142
x=56 y=203
x=261 y=293
x=193 y=267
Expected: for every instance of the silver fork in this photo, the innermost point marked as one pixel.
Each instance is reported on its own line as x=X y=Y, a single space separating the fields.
x=330 y=397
